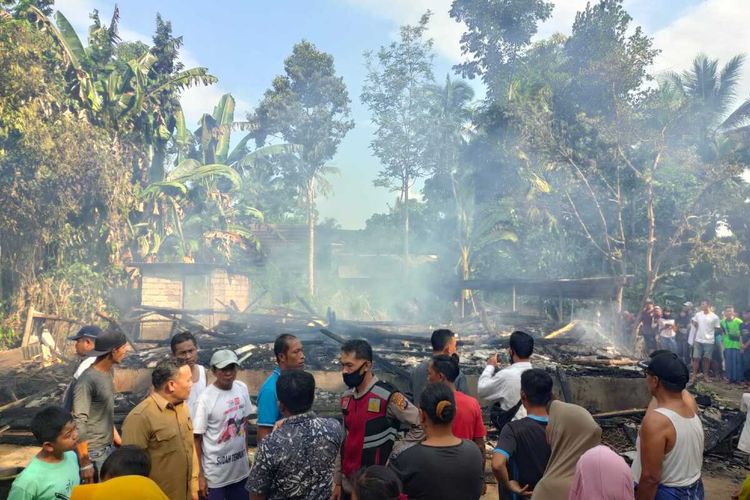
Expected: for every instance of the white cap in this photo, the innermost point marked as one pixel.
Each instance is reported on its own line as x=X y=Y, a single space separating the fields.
x=223 y=358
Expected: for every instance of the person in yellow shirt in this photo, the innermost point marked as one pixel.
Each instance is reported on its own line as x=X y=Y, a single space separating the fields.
x=124 y=477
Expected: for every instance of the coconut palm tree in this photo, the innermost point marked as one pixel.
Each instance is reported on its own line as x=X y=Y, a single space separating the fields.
x=709 y=93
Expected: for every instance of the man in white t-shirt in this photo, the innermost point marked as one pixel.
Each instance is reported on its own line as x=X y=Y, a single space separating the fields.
x=185 y=348
x=219 y=427
x=705 y=322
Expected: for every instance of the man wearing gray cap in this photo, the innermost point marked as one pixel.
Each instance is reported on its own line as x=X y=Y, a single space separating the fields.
x=84 y=340
x=219 y=427
x=94 y=404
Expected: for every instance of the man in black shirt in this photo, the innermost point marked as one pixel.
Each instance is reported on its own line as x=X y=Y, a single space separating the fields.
x=522 y=451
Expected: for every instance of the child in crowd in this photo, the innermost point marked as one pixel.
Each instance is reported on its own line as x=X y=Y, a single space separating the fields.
x=377 y=482
x=124 y=477
x=53 y=472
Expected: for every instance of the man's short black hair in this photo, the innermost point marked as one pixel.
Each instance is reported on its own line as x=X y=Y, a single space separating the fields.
x=281 y=344
x=164 y=371
x=126 y=461
x=48 y=423
x=522 y=344
x=440 y=339
x=180 y=338
x=295 y=389
x=361 y=349
x=537 y=385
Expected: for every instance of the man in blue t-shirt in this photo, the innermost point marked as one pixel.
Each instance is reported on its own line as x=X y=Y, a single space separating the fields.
x=289 y=356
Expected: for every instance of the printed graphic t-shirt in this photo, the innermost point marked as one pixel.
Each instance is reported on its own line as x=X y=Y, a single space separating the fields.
x=220 y=417
x=41 y=480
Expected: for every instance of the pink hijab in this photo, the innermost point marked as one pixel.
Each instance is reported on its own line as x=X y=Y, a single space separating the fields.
x=602 y=474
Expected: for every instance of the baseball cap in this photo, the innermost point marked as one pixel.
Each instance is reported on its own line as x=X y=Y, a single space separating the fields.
x=223 y=358
x=668 y=367
x=90 y=331
x=688 y=304
x=107 y=342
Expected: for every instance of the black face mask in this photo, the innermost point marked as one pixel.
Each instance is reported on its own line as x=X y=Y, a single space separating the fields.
x=354 y=378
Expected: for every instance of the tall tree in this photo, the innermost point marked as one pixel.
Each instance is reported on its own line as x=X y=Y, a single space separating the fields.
x=308 y=106
x=451 y=112
x=498 y=32
x=397 y=91
x=63 y=191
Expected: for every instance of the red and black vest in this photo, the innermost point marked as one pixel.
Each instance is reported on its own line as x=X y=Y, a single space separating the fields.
x=370 y=434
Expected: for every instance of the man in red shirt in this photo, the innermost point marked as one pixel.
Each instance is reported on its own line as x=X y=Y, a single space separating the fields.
x=468 y=423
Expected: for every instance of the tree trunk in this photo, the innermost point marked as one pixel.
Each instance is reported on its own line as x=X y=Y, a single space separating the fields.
x=311 y=236
x=651 y=244
x=405 y=204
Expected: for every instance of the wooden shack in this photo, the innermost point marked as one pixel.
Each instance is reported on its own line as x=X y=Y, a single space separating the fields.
x=206 y=291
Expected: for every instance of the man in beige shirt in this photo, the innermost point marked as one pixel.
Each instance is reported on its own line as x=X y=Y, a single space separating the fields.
x=161 y=425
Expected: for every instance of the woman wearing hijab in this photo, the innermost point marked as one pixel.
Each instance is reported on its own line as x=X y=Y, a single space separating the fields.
x=442 y=467
x=571 y=432
x=602 y=474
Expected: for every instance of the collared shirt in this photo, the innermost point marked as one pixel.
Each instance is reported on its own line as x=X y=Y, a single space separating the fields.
x=503 y=386
x=268 y=405
x=165 y=431
x=296 y=460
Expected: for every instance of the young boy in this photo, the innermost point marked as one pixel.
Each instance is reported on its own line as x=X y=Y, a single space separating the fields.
x=53 y=472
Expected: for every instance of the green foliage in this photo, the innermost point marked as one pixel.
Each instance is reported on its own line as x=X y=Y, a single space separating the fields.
x=307 y=106
x=397 y=92
x=498 y=32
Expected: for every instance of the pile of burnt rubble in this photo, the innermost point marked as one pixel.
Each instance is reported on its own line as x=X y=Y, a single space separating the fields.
x=576 y=350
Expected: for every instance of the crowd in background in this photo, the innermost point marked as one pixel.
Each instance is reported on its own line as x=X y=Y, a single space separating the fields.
x=716 y=343
x=188 y=438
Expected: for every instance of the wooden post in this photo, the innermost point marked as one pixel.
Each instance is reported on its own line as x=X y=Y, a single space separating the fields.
x=514 y=298
x=29 y=326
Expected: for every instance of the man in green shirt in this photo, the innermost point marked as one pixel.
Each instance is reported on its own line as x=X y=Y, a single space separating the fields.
x=53 y=472
x=730 y=327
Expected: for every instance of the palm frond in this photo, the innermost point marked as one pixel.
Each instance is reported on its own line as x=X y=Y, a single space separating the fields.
x=728 y=81
x=738 y=118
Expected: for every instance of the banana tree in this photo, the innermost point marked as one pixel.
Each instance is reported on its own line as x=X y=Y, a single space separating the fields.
x=203 y=202
x=125 y=100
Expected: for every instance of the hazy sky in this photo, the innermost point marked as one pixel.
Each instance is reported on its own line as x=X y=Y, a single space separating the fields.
x=244 y=44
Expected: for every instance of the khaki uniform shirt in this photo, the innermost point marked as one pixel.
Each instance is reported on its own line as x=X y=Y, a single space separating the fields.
x=165 y=431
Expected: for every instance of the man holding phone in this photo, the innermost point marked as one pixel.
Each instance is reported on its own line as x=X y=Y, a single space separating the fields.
x=503 y=386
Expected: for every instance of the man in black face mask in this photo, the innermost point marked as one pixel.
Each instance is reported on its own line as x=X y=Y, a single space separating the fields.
x=373 y=411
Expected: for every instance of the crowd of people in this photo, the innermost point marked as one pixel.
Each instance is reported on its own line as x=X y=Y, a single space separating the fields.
x=718 y=347
x=188 y=439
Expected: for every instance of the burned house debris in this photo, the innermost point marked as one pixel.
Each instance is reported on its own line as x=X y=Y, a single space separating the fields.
x=587 y=367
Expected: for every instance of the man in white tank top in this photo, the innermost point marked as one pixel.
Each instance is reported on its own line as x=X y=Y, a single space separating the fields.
x=670 y=443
